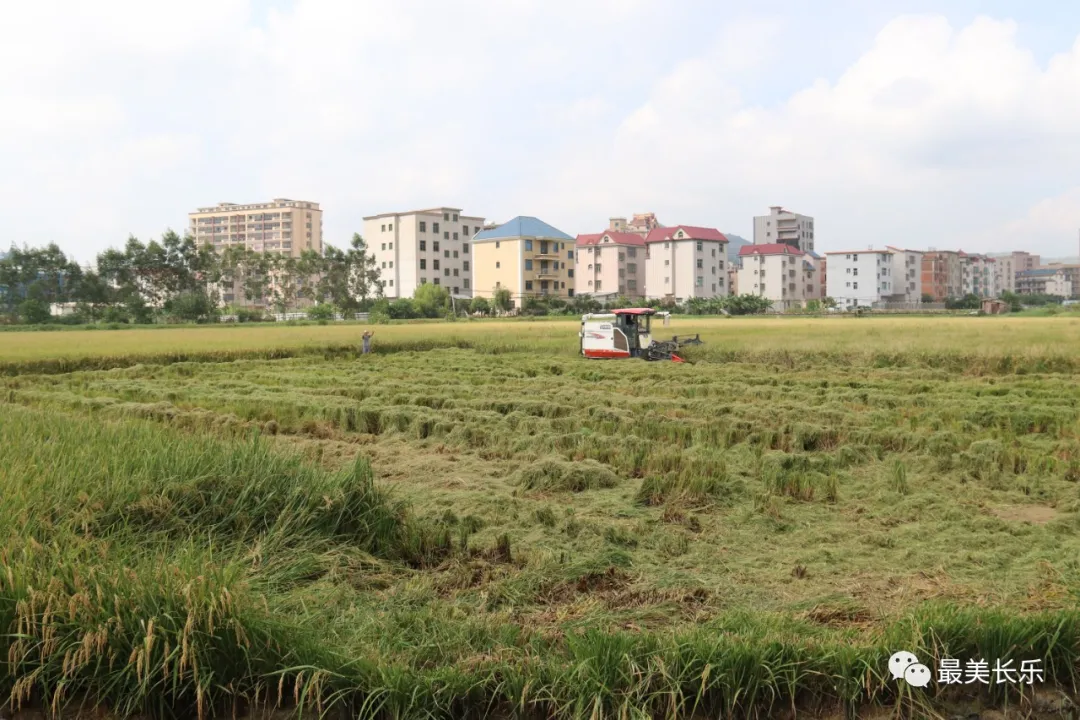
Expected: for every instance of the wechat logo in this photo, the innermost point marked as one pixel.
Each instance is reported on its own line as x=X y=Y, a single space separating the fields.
x=905 y=666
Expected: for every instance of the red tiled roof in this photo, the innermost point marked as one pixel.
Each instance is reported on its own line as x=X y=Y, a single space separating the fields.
x=617 y=238
x=768 y=249
x=696 y=233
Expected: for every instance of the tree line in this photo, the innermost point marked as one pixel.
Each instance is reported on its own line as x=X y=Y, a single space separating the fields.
x=174 y=279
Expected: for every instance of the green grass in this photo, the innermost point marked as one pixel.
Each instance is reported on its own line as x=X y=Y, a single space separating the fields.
x=499 y=528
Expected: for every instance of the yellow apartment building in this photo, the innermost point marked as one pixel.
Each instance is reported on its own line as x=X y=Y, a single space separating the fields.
x=526 y=256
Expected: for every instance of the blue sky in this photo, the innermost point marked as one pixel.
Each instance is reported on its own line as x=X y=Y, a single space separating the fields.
x=947 y=124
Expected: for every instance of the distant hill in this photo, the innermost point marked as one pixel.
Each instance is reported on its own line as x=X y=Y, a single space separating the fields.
x=734 y=243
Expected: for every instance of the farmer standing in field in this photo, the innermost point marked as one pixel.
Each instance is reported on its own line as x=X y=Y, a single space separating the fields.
x=367 y=340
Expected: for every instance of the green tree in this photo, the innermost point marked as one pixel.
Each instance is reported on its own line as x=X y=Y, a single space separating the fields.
x=322 y=311
x=502 y=300
x=401 y=309
x=480 y=305
x=34 y=311
x=431 y=300
x=191 y=306
x=927 y=298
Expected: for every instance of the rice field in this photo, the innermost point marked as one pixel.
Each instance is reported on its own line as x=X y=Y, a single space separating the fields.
x=474 y=522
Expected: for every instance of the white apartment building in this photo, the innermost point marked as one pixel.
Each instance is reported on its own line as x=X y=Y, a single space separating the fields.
x=781 y=273
x=906 y=275
x=977 y=275
x=784 y=226
x=684 y=261
x=423 y=246
x=860 y=277
x=610 y=263
x=1044 y=281
x=1005 y=274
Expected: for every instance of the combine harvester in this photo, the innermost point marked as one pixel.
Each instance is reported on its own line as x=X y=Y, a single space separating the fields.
x=626 y=334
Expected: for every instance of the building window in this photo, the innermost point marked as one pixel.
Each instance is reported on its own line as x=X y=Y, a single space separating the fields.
x=570 y=254
x=465 y=266
x=498 y=265
x=465 y=247
x=700 y=246
x=497 y=244
x=667 y=281
x=391 y=245
x=455 y=236
x=391 y=283
x=382 y=228
x=435 y=246
x=423 y=281
x=446 y=216
x=384 y=265
x=855 y=286
x=455 y=272
x=435 y=265
x=700 y=263
x=465 y=230
x=446 y=272
x=570 y=292
x=465 y=283
x=383 y=246
x=435 y=227
x=455 y=217
x=423 y=246
x=528 y=284
x=700 y=281
x=455 y=253
x=446 y=235
x=563 y=285
x=423 y=226
x=446 y=253
x=388 y=227
x=391 y=264
x=667 y=246
x=570 y=272
x=666 y=263
x=528 y=244
x=435 y=281
x=597 y=286
x=528 y=264
x=423 y=264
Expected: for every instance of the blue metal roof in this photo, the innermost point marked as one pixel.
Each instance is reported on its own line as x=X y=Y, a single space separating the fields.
x=1040 y=272
x=522 y=226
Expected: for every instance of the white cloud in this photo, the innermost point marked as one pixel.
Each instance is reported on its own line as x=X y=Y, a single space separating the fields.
x=574 y=110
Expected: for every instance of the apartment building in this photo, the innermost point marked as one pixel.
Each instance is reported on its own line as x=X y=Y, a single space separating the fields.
x=977 y=275
x=906 y=275
x=423 y=246
x=1044 y=281
x=780 y=273
x=864 y=277
x=784 y=226
x=685 y=261
x=641 y=224
x=942 y=274
x=281 y=226
x=526 y=256
x=1072 y=274
x=1025 y=261
x=610 y=263
x=1005 y=274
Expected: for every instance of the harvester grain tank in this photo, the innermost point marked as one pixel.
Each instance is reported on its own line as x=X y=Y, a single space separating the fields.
x=627 y=333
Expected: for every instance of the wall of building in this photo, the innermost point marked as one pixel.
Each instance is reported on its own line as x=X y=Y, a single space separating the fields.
x=497 y=264
x=395 y=240
x=860 y=278
x=785 y=227
x=671 y=269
